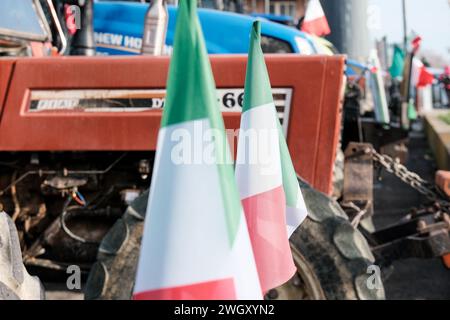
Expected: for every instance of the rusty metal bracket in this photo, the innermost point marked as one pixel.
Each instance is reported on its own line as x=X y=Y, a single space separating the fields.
x=358 y=172
x=422 y=235
x=357 y=198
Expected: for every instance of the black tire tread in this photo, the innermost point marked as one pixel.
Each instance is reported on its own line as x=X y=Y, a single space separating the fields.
x=338 y=253
x=112 y=277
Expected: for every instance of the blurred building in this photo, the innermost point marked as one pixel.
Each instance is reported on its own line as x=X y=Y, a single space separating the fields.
x=348 y=20
x=293 y=8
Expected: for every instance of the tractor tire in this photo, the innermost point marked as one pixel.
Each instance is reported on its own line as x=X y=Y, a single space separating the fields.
x=112 y=276
x=332 y=257
x=15 y=282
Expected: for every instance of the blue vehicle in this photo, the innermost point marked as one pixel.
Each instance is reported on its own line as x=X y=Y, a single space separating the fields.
x=119 y=27
x=283 y=19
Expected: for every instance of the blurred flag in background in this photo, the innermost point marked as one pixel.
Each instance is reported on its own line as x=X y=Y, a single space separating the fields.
x=398 y=62
x=315 y=21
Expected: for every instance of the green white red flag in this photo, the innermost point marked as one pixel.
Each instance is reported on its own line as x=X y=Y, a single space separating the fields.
x=267 y=182
x=376 y=83
x=420 y=77
x=196 y=243
x=315 y=21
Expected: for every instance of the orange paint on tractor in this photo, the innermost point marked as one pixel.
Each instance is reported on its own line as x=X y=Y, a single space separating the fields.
x=442 y=180
x=446 y=260
x=314 y=113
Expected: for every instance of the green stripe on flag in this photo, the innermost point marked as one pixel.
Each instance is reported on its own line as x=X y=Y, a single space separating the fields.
x=190 y=85
x=258 y=92
x=412 y=114
x=256 y=76
x=191 y=95
x=289 y=176
x=398 y=62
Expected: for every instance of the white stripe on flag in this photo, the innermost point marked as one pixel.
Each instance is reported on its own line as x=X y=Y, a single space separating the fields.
x=314 y=10
x=186 y=239
x=295 y=216
x=258 y=168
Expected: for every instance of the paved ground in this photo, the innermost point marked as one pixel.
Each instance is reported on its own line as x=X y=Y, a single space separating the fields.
x=411 y=278
x=58 y=291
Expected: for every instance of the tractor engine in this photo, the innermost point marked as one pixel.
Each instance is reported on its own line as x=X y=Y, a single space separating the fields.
x=63 y=203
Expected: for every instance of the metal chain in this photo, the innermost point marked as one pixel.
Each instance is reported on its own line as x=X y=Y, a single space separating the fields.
x=409 y=177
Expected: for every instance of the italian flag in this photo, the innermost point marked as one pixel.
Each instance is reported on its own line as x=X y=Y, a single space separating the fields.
x=315 y=21
x=420 y=77
x=376 y=84
x=196 y=243
x=267 y=182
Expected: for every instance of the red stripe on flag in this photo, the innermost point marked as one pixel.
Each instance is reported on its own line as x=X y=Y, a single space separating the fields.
x=266 y=221
x=70 y=19
x=415 y=43
x=211 y=290
x=318 y=27
x=425 y=78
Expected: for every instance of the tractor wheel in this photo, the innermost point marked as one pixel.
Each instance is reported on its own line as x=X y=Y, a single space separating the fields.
x=331 y=256
x=15 y=282
x=112 y=276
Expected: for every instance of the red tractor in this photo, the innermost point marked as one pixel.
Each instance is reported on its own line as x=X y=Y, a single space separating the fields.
x=77 y=142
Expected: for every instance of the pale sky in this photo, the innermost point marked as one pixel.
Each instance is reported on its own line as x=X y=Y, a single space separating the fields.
x=429 y=18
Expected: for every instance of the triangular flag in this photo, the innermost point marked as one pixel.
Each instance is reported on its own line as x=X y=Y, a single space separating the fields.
x=415 y=43
x=398 y=62
x=296 y=210
x=420 y=76
x=315 y=21
x=416 y=69
x=261 y=157
x=376 y=84
x=195 y=243
x=425 y=78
